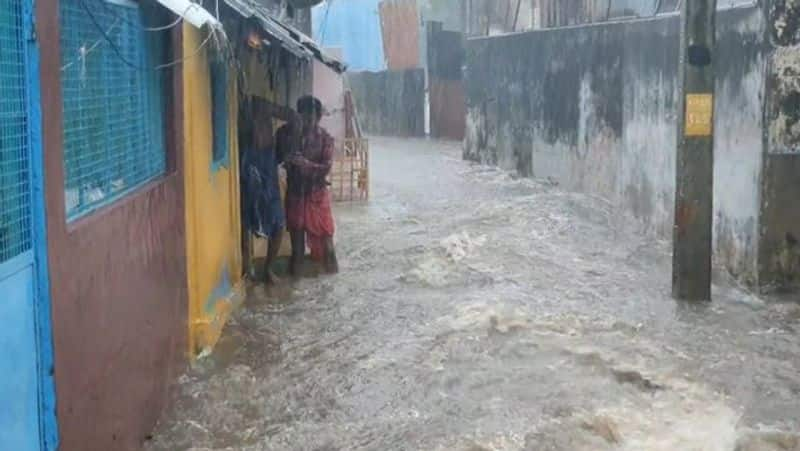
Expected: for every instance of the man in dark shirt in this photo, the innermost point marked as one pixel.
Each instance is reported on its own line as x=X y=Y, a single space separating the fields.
x=261 y=196
x=307 y=151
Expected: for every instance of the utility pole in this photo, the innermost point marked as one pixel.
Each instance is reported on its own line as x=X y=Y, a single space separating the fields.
x=694 y=195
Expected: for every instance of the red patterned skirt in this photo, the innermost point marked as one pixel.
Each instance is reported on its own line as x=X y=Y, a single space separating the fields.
x=312 y=214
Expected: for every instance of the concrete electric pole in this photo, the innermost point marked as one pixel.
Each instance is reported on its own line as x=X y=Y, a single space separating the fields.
x=694 y=195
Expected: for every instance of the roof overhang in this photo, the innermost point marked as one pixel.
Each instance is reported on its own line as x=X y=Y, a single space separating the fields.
x=290 y=38
x=192 y=13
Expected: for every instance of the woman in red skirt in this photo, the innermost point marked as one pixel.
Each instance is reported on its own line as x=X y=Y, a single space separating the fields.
x=307 y=151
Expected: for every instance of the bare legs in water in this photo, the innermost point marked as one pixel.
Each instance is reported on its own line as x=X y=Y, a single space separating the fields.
x=330 y=263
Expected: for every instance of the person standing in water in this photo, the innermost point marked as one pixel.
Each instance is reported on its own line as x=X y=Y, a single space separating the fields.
x=307 y=150
x=261 y=195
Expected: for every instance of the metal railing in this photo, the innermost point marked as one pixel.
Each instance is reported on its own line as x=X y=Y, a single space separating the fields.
x=350 y=174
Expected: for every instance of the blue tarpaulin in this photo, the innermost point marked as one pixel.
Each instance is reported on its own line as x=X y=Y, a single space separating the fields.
x=355 y=27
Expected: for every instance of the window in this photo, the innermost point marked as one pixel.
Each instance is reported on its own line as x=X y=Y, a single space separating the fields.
x=219 y=108
x=112 y=102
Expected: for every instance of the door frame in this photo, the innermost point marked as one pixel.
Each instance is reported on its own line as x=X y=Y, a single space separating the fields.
x=48 y=426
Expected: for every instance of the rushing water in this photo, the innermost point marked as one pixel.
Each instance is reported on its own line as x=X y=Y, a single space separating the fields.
x=476 y=311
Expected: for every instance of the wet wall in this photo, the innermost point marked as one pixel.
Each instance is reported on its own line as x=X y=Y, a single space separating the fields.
x=213 y=214
x=779 y=244
x=593 y=108
x=445 y=65
x=390 y=103
x=329 y=88
x=118 y=283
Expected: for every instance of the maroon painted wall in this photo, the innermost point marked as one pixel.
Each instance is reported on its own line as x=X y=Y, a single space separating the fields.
x=446 y=57
x=400 y=31
x=118 y=281
x=448 y=109
x=779 y=262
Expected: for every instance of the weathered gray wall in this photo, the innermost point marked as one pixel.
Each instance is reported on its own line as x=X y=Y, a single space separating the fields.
x=594 y=107
x=779 y=243
x=390 y=103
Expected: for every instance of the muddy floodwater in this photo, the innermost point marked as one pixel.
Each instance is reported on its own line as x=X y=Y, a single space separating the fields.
x=476 y=311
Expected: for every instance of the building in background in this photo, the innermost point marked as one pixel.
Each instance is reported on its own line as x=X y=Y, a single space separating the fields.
x=418 y=89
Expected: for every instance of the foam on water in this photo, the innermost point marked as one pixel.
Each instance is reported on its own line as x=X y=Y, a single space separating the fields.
x=477 y=311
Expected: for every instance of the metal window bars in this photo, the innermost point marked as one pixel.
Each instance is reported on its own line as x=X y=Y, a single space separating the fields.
x=15 y=197
x=113 y=135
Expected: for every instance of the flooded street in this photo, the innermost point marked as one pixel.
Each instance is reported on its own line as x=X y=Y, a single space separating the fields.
x=475 y=311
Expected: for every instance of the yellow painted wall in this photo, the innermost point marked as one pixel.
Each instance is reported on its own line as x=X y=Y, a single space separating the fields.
x=213 y=230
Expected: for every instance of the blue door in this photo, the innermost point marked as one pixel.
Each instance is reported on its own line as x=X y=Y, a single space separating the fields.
x=27 y=416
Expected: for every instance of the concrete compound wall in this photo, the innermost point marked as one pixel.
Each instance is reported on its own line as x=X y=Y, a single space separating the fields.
x=779 y=243
x=594 y=108
x=390 y=103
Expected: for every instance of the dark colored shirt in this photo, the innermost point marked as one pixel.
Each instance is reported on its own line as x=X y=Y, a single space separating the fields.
x=261 y=194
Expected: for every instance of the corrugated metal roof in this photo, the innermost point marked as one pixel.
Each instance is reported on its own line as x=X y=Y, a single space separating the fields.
x=400 y=28
x=292 y=39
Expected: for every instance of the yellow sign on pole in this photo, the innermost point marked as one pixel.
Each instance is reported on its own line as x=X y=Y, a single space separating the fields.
x=699 y=115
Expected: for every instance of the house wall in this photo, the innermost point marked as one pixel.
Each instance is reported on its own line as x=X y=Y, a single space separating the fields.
x=594 y=108
x=213 y=219
x=390 y=103
x=118 y=282
x=329 y=88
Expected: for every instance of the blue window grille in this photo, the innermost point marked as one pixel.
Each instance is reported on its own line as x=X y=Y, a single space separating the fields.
x=112 y=102
x=219 y=108
x=15 y=200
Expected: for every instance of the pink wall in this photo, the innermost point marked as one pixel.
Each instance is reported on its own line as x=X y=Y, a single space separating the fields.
x=329 y=88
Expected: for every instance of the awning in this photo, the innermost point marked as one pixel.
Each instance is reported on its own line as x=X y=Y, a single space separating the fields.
x=290 y=38
x=192 y=13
